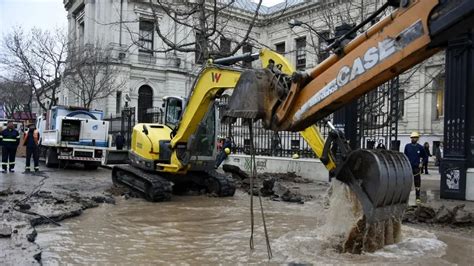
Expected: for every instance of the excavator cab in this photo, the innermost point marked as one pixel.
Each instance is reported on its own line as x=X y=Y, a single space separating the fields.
x=173 y=107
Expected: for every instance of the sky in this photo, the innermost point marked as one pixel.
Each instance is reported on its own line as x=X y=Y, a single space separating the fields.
x=267 y=2
x=44 y=14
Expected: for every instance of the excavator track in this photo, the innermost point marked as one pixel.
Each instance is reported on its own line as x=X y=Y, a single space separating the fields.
x=151 y=186
x=218 y=184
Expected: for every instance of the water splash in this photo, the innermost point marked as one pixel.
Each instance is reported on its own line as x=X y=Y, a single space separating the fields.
x=346 y=224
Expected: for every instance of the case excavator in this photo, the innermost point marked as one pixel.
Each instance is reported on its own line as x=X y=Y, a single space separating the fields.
x=413 y=32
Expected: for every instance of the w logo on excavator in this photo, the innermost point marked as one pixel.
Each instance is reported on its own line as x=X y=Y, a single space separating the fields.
x=216 y=77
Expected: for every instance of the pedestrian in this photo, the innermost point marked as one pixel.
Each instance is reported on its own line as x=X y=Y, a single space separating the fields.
x=31 y=141
x=224 y=152
x=119 y=141
x=415 y=153
x=220 y=143
x=9 y=138
x=426 y=146
x=381 y=146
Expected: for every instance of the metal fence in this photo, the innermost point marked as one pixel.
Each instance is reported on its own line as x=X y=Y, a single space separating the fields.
x=266 y=142
x=378 y=115
x=123 y=124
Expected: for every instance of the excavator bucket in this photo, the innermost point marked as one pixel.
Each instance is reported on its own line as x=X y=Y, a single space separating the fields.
x=252 y=96
x=381 y=180
x=380 y=183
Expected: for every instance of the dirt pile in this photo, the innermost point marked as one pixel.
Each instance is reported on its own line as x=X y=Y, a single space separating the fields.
x=455 y=216
x=277 y=186
x=22 y=211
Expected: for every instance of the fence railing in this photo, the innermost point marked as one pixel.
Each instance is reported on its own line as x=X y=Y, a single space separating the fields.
x=266 y=142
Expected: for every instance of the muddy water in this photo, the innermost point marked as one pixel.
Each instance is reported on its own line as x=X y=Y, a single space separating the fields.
x=203 y=230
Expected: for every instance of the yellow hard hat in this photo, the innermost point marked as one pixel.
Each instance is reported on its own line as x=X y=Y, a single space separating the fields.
x=295 y=156
x=227 y=151
x=414 y=134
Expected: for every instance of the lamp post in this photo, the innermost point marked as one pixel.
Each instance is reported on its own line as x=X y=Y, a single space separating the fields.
x=298 y=23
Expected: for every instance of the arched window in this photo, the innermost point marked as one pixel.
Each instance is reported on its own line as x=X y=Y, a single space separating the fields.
x=145 y=101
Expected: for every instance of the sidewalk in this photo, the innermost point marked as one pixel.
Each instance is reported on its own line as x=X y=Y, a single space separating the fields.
x=430 y=192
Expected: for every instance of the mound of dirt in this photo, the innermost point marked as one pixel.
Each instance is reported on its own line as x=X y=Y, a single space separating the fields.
x=455 y=216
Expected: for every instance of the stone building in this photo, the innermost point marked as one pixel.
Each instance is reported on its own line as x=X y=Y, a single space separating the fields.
x=150 y=76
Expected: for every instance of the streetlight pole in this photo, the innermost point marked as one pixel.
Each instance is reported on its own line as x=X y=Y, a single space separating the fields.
x=294 y=23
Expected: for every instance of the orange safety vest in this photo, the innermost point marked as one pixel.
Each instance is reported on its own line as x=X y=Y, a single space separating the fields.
x=35 y=137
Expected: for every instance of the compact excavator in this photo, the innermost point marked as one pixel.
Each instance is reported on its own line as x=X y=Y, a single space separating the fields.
x=180 y=153
x=413 y=32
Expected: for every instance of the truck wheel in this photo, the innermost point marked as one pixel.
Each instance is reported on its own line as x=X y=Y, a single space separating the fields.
x=51 y=158
x=91 y=166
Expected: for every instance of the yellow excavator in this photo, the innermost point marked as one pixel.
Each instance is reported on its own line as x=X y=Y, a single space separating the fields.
x=180 y=153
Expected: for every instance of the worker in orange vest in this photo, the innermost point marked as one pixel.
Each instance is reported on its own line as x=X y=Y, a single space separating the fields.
x=31 y=142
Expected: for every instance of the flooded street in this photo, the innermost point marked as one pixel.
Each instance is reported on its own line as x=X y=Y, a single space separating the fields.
x=206 y=230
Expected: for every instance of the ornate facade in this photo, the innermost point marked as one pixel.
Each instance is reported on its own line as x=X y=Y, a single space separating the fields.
x=151 y=75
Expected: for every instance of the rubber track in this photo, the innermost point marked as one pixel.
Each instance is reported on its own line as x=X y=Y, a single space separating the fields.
x=161 y=189
x=226 y=184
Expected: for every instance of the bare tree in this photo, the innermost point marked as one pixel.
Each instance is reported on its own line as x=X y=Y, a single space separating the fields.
x=38 y=58
x=207 y=20
x=91 y=74
x=334 y=13
x=15 y=96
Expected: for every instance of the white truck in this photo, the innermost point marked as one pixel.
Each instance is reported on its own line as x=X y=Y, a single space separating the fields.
x=73 y=134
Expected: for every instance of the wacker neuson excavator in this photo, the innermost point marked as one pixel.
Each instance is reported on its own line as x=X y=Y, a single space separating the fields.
x=181 y=151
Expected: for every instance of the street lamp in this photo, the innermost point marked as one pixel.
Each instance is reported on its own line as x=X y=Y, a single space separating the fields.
x=298 y=23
